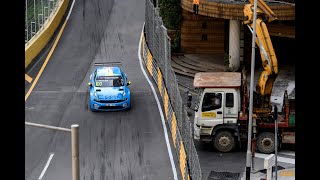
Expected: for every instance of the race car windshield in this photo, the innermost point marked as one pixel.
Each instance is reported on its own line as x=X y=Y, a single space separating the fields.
x=109 y=81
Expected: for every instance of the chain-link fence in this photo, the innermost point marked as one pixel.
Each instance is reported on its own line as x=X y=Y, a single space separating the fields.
x=37 y=12
x=157 y=57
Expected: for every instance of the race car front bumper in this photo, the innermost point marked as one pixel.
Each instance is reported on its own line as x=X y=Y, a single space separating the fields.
x=113 y=106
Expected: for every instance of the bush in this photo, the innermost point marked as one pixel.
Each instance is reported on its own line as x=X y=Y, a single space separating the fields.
x=170 y=11
x=175 y=46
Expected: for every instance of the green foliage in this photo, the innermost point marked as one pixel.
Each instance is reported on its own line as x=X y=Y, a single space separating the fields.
x=175 y=46
x=226 y=61
x=170 y=11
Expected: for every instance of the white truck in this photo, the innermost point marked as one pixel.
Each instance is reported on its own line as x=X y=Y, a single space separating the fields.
x=221 y=114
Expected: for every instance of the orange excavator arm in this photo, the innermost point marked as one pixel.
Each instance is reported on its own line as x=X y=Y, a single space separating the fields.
x=263 y=40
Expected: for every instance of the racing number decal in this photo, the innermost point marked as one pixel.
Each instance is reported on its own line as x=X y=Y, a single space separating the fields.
x=98 y=84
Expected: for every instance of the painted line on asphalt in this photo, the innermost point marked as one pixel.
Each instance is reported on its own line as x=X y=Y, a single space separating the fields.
x=70 y=10
x=49 y=55
x=173 y=166
x=279 y=159
x=27 y=78
x=288 y=153
x=46 y=166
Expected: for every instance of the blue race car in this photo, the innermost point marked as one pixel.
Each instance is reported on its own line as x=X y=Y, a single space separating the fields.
x=109 y=89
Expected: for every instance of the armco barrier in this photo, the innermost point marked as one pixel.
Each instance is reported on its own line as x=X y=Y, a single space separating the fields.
x=39 y=41
x=186 y=163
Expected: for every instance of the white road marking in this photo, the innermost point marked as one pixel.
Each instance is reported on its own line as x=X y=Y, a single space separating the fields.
x=29 y=108
x=288 y=153
x=46 y=166
x=160 y=111
x=279 y=159
x=27 y=78
x=70 y=9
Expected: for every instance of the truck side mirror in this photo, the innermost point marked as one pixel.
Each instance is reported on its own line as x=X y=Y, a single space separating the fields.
x=196 y=107
x=189 y=99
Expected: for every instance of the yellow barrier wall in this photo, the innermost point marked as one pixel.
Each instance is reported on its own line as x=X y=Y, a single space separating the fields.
x=39 y=41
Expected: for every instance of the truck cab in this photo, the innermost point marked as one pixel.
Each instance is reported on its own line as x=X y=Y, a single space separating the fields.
x=217 y=108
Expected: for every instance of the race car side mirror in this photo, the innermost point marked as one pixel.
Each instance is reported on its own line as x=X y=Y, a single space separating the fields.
x=129 y=83
x=89 y=84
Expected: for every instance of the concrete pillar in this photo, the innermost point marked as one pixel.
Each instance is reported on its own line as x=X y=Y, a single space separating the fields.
x=234 y=45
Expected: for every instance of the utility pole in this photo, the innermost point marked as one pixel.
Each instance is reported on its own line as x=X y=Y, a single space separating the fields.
x=75 y=151
x=276 y=140
x=248 y=162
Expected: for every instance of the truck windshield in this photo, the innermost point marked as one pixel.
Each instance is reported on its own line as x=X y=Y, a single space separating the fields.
x=109 y=81
x=211 y=101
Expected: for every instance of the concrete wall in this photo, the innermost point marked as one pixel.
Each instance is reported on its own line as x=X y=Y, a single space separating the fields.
x=202 y=36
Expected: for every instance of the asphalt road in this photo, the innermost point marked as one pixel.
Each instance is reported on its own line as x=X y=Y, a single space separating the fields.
x=113 y=145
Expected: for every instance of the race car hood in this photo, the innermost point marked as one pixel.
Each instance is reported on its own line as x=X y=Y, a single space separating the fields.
x=110 y=93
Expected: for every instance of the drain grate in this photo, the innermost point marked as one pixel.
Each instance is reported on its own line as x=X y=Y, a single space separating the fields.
x=223 y=176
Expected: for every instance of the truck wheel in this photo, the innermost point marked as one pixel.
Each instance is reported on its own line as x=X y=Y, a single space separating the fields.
x=224 y=141
x=266 y=142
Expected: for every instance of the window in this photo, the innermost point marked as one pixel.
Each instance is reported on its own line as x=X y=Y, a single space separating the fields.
x=109 y=81
x=95 y=74
x=229 y=100
x=125 y=78
x=211 y=101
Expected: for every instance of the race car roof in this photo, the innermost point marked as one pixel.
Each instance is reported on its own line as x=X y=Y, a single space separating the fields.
x=108 y=71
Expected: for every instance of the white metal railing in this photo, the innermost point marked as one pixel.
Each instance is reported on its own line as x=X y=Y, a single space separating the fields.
x=37 y=13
